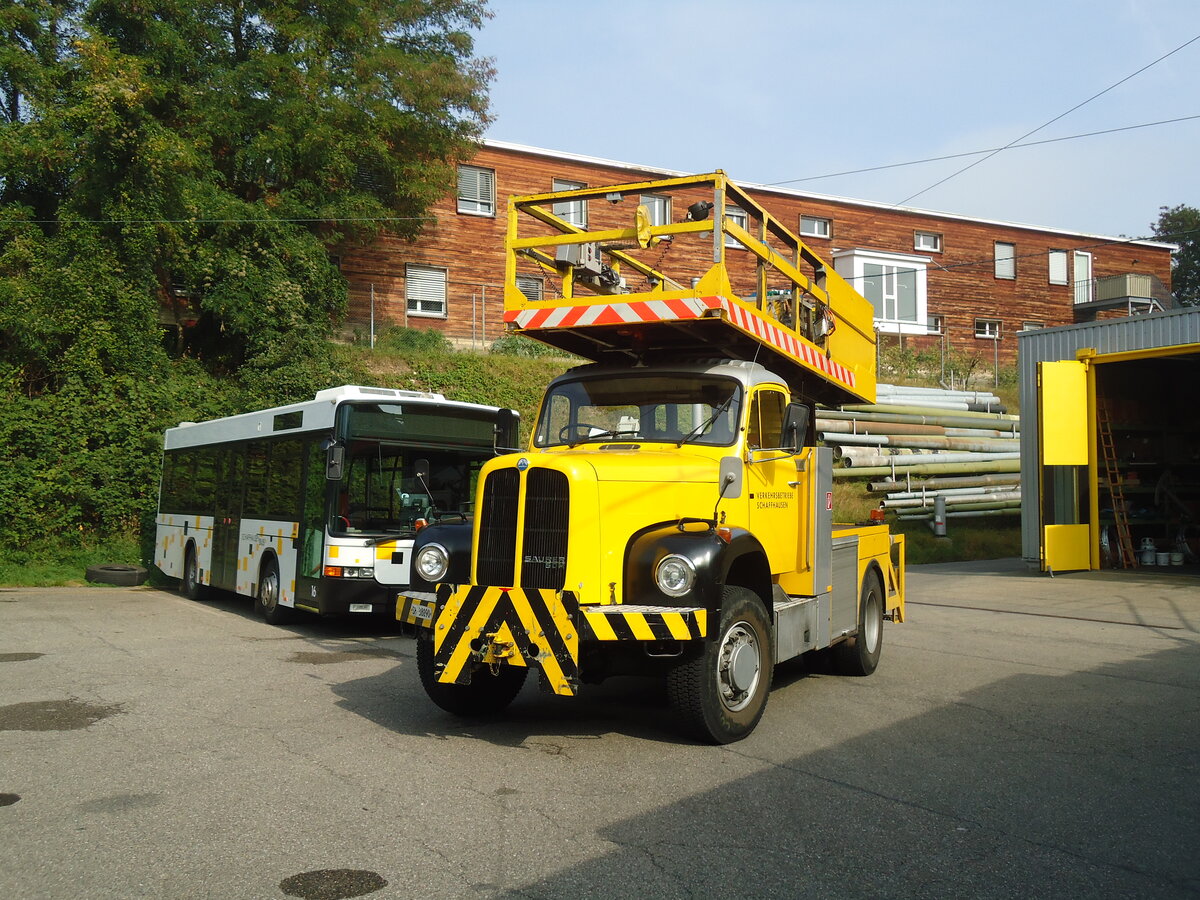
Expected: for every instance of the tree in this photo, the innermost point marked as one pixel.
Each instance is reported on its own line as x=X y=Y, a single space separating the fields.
x=1181 y=225
x=217 y=151
x=207 y=155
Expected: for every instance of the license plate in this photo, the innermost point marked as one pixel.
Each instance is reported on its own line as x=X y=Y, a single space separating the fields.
x=422 y=612
x=360 y=607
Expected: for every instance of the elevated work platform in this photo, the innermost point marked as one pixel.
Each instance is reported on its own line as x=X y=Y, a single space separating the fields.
x=684 y=268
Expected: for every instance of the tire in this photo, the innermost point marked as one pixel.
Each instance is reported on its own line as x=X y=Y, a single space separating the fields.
x=266 y=600
x=109 y=573
x=859 y=655
x=721 y=692
x=189 y=584
x=487 y=694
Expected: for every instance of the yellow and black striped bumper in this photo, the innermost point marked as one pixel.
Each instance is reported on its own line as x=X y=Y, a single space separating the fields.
x=476 y=624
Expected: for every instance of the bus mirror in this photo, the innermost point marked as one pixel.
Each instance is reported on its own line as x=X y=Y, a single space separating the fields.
x=335 y=462
x=507 y=422
x=795 y=426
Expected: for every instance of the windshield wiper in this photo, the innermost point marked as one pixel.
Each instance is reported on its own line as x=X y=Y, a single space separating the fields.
x=699 y=429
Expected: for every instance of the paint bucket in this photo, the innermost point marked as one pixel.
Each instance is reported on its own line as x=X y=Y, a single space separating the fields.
x=1177 y=559
x=1162 y=559
x=1147 y=557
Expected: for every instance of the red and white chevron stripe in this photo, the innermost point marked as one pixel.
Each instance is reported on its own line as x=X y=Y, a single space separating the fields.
x=748 y=320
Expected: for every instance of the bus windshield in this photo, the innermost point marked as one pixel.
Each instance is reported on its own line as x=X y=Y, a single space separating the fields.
x=380 y=491
x=669 y=407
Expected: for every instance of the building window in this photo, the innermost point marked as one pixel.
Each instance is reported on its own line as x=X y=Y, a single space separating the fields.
x=658 y=207
x=934 y=324
x=1032 y=326
x=895 y=283
x=531 y=286
x=988 y=329
x=476 y=191
x=815 y=226
x=1006 y=260
x=1058 y=266
x=738 y=216
x=425 y=291
x=574 y=211
x=927 y=241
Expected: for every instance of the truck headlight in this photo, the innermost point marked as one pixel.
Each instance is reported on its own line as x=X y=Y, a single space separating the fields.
x=433 y=562
x=675 y=575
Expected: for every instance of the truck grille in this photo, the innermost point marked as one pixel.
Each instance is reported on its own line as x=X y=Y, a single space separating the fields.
x=544 y=543
x=498 y=529
x=544 y=549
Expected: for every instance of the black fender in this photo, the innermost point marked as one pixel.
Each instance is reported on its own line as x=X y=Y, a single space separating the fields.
x=739 y=560
x=456 y=538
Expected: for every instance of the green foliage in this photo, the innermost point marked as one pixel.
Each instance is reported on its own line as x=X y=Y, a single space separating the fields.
x=1181 y=225
x=412 y=340
x=519 y=345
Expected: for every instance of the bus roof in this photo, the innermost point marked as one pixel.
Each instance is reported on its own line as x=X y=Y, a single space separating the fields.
x=299 y=418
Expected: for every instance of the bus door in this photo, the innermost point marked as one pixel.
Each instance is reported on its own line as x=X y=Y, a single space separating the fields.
x=228 y=519
x=313 y=519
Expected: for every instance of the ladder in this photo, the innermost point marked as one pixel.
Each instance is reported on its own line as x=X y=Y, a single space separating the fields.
x=1116 y=489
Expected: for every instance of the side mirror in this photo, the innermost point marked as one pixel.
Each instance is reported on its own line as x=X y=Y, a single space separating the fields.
x=795 y=426
x=421 y=470
x=507 y=430
x=335 y=462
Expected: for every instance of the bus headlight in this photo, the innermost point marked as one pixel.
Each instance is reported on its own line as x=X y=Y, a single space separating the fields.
x=432 y=562
x=675 y=575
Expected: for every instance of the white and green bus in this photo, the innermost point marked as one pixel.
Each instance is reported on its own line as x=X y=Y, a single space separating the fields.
x=314 y=505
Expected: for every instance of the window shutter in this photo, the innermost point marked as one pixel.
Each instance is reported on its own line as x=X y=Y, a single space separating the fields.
x=1058 y=266
x=425 y=289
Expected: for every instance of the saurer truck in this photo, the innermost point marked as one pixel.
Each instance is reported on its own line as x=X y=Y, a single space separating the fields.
x=671 y=515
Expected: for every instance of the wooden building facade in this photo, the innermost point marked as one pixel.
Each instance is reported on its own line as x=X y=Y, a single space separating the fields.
x=936 y=280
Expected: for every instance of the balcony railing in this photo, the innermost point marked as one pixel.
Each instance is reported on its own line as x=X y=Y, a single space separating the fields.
x=1138 y=291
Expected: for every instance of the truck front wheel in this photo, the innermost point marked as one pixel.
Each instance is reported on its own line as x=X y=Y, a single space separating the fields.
x=722 y=691
x=485 y=695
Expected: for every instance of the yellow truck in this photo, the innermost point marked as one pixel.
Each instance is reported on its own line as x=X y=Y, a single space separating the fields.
x=670 y=516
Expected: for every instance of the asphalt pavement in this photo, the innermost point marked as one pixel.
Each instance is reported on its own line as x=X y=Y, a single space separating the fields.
x=1024 y=736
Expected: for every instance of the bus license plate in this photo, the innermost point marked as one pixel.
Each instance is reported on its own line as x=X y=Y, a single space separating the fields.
x=360 y=607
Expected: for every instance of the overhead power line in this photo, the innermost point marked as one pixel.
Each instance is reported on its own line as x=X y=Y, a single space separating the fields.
x=1048 y=123
x=917 y=162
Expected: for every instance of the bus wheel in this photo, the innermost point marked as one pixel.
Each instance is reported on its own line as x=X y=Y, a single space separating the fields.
x=860 y=654
x=190 y=583
x=721 y=691
x=267 y=601
x=485 y=695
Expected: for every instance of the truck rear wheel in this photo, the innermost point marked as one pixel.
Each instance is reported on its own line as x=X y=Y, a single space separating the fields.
x=860 y=654
x=486 y=694
x=722 y=691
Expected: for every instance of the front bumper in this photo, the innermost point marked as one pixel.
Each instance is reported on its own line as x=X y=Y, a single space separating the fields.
x=479 y=625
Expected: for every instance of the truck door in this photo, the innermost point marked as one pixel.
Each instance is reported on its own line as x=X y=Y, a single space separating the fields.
x=771 y=481
x=1063 y=480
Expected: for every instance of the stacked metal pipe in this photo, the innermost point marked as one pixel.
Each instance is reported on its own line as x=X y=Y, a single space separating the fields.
x=926 y=442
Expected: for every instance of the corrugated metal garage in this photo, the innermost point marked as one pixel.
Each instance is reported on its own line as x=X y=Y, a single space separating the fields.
x=1110 y=442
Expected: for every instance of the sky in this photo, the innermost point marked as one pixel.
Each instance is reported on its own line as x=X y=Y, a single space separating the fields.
x=774 y=91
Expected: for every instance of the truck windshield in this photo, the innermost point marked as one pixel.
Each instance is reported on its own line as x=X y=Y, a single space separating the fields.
x=675 y=408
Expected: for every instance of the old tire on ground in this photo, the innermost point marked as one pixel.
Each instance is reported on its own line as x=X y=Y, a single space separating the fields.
x=487 y=694
x=112 y=573
x=721 y=691
x=860 y=654
x=266 y=600
x=189 y=584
